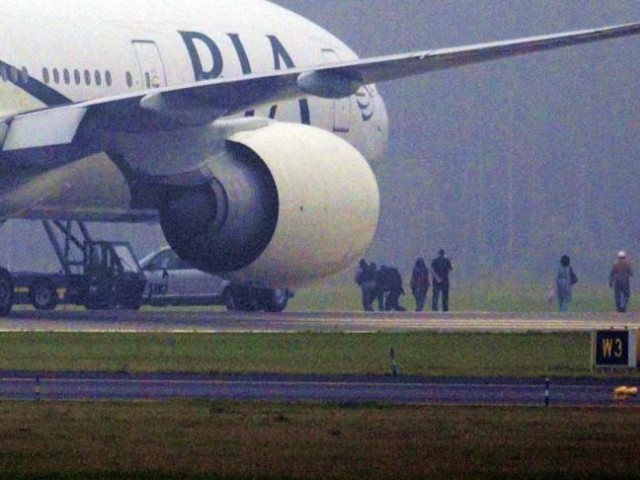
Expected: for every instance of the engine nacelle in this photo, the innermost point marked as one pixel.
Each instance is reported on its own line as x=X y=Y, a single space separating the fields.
x=288 y=204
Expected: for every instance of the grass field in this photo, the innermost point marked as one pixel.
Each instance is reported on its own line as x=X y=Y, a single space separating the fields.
x=255 y=440
x=424 y=353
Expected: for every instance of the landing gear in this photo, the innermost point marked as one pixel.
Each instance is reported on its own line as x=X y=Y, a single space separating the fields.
x=276 y=300
x=247 y=299
x=241 y=299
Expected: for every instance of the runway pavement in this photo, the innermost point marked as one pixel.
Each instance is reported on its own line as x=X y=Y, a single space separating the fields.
x=351 y=390
x=206 y=320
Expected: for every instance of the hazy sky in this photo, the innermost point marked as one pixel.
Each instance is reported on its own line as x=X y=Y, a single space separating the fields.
x=579 y=104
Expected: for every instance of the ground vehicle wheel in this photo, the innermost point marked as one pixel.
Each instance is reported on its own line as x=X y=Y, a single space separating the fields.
x=276 y=300
x=6 y=292
x=43 y=295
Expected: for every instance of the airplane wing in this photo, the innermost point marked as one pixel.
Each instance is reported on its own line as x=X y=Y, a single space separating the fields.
x=382 y=69
x=203 y=102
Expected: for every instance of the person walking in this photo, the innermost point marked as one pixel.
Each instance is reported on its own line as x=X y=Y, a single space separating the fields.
x=440 y=268
x=420 y=283
x=382 y=287
x=620 y=281
x=395 y=290
x=565 y=279
x=366 y=280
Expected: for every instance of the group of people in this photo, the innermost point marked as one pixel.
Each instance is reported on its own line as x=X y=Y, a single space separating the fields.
x=619 y=281
x=384 y=284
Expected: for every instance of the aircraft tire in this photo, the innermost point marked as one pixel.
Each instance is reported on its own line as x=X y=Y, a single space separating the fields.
x=241 y=300
x=276 y=300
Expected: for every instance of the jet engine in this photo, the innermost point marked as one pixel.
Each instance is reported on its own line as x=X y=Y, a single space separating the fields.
x=287 y=204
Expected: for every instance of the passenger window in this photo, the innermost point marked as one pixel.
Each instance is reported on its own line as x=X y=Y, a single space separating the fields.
x=67 y=76
x=129 y=80
x=56 y=76
x=107 y=78
x=77 y=77
x=14 y=75
x=87 y=77
x=45 y=75
x=3 y=73
x=98 y=78
x=24 y=74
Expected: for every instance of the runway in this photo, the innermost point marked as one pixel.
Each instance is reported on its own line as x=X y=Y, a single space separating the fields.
x=349 y=390
x=206 y=320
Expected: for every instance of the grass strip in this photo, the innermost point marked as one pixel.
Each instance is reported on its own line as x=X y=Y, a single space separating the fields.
x=419 y=353
x=256 y=440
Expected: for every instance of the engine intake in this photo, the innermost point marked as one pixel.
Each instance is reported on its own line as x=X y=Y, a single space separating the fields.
x=289 y=204
x=227 y=224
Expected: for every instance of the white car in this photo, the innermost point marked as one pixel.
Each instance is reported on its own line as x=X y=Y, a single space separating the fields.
x=173 y=281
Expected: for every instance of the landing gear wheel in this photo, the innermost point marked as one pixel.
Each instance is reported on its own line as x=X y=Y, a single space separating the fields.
x=6 y=292
x=276 y=300
x=43 y=295
x=241 y=300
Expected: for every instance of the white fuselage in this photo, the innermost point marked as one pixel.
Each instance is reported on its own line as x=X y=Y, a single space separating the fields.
x=64 y=51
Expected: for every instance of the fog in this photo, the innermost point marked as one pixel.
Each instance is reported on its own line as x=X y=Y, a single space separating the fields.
x=508 y=164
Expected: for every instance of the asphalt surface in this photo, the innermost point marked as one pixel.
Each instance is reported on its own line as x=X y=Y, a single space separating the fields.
x=26 y=386
x=206 y=320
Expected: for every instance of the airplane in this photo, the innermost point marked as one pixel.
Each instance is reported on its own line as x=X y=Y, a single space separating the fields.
x=244 y=129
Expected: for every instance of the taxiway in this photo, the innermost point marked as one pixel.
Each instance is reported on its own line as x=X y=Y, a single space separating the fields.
x=22 y=386
x=209 y=321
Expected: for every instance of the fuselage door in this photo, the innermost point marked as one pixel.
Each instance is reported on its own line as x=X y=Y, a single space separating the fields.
x=341 y=107
x=150 y=61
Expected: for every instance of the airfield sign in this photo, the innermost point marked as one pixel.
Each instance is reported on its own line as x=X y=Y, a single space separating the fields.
x=615 y=348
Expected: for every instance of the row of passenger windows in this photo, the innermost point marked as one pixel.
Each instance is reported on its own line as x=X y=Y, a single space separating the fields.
x=66 y=76
x=13 y=74
x=59 y=76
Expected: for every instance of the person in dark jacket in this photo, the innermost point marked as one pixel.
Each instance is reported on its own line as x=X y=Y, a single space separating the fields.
x=420 y=283
x=382 y=287
x=564 y=283
x=366 y=280
x=395 y=290
x=440 y=268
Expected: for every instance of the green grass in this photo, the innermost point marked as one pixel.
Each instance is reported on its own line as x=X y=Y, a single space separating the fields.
x=232 y=440
x=424 y=353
